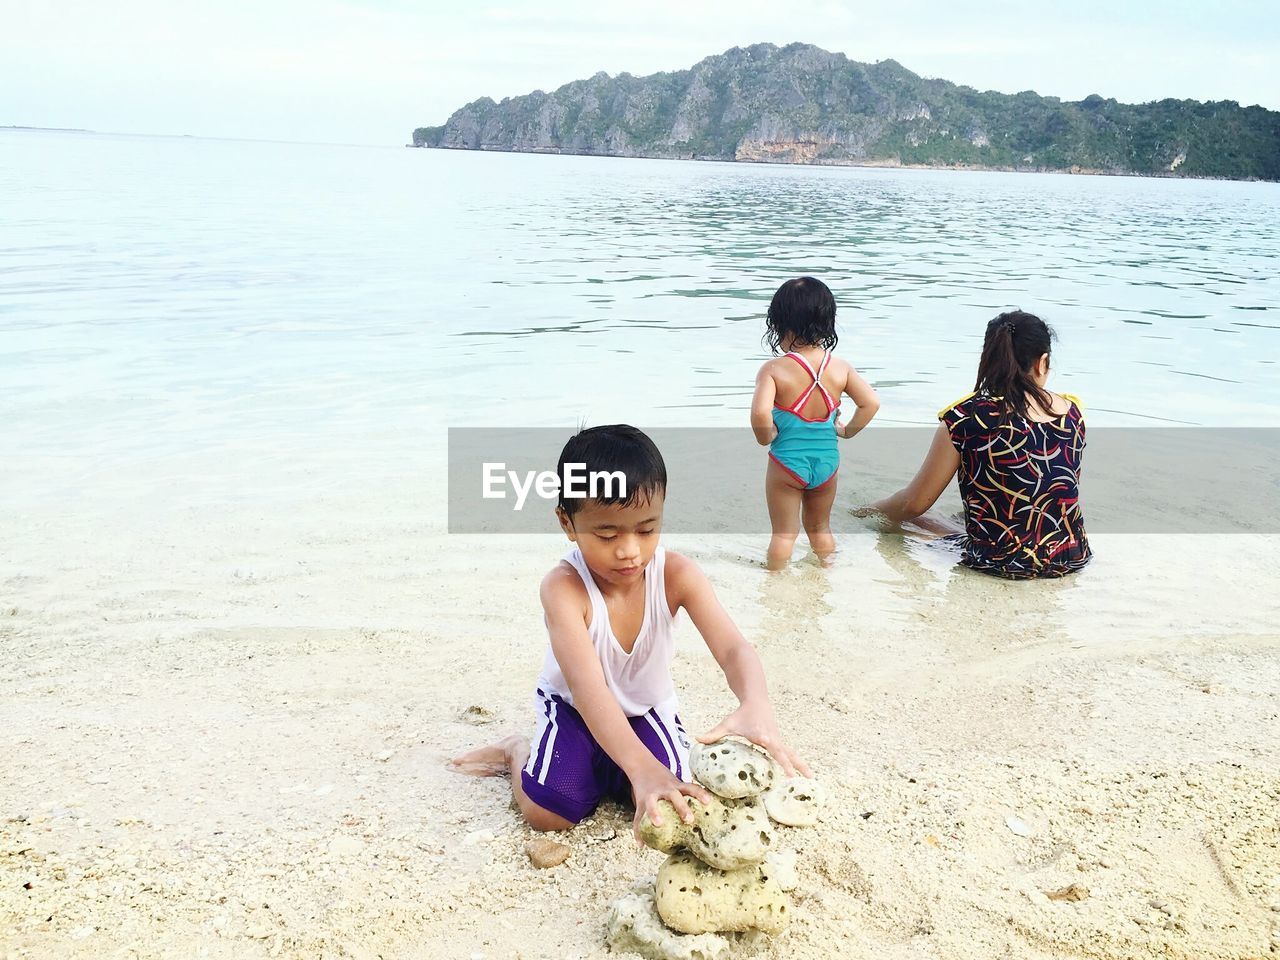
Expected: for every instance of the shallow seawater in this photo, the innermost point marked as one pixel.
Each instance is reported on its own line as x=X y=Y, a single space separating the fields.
x=233 y=326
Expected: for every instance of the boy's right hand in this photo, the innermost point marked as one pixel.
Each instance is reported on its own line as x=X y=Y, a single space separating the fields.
x=654 y=783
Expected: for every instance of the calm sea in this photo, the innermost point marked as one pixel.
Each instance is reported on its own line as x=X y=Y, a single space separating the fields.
x=209 y=315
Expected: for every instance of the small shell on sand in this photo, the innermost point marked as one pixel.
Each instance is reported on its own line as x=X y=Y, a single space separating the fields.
x=477 y=715
x=599 y=833
x=1017 y=826
x=544 y=853
x=1072 y=894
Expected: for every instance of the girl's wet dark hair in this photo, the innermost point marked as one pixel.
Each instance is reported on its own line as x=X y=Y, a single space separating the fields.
x=615 y=447
x=1015 y=341
x=804 y=311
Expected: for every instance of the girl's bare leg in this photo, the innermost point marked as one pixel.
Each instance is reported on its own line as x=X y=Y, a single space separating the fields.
x=815 y=512
x=508 y=756
x=784 y=499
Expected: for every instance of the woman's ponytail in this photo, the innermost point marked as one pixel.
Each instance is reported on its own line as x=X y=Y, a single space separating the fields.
x=1015 y=341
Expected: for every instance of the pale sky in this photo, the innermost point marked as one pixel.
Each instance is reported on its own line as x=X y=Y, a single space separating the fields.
x=369 y=71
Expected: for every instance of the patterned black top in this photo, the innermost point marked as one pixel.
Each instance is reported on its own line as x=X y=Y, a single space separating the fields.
x=1019 y=480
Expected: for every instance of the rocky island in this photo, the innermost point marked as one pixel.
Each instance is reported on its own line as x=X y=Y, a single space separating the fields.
x=803 y=104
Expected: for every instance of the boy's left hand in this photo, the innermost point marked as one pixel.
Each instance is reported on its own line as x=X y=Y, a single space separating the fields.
x=756 y=723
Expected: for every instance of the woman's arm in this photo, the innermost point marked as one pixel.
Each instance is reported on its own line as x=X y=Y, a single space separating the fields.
x=762 y=407
x=864 y=397
x=754 y=718
x=599 y=708
x=933 y=477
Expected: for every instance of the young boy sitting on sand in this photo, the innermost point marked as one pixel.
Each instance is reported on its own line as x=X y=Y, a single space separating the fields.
x=607 y=720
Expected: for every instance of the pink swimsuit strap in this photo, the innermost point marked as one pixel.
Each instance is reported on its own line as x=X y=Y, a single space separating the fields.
x=816 y=385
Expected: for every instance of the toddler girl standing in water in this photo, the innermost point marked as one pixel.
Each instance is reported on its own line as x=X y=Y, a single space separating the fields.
x=793 y=413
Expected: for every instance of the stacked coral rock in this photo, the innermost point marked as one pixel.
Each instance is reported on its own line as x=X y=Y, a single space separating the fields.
x=726 y=882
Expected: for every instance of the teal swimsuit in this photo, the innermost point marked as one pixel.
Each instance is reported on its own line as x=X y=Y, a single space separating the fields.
x=804 y=448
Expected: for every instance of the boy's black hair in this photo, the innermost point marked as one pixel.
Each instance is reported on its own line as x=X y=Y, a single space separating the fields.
x=804 y=310
x=615 y=447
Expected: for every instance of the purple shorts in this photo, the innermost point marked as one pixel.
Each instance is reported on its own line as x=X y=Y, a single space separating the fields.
x=569 y=773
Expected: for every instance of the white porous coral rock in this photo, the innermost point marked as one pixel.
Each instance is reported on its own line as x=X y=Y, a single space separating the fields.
x=795 y=801
x=782 y=864
x=693 y=897
x=731 y=768
x=727 y=834
x=635 y=927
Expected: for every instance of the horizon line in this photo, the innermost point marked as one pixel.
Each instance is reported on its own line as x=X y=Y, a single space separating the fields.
x=187 y=136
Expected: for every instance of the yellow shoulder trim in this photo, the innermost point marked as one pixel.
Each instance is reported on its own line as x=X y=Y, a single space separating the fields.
x=955 y=403
x=1074 y=399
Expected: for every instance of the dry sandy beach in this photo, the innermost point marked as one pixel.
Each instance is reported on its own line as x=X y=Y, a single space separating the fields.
x=224 y=736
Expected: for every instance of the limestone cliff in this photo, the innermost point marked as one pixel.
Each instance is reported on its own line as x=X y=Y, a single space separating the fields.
x=802 y=104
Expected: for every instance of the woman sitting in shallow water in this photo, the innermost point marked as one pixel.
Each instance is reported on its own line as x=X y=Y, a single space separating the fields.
x=1017 y=449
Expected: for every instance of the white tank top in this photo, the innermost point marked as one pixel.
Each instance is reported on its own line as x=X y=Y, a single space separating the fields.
x=640 y=679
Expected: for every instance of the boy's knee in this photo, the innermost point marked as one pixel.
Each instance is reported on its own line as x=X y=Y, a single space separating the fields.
x=542 y=819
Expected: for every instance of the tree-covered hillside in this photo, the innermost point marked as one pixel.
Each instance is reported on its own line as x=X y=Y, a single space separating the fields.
x=802 y=104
